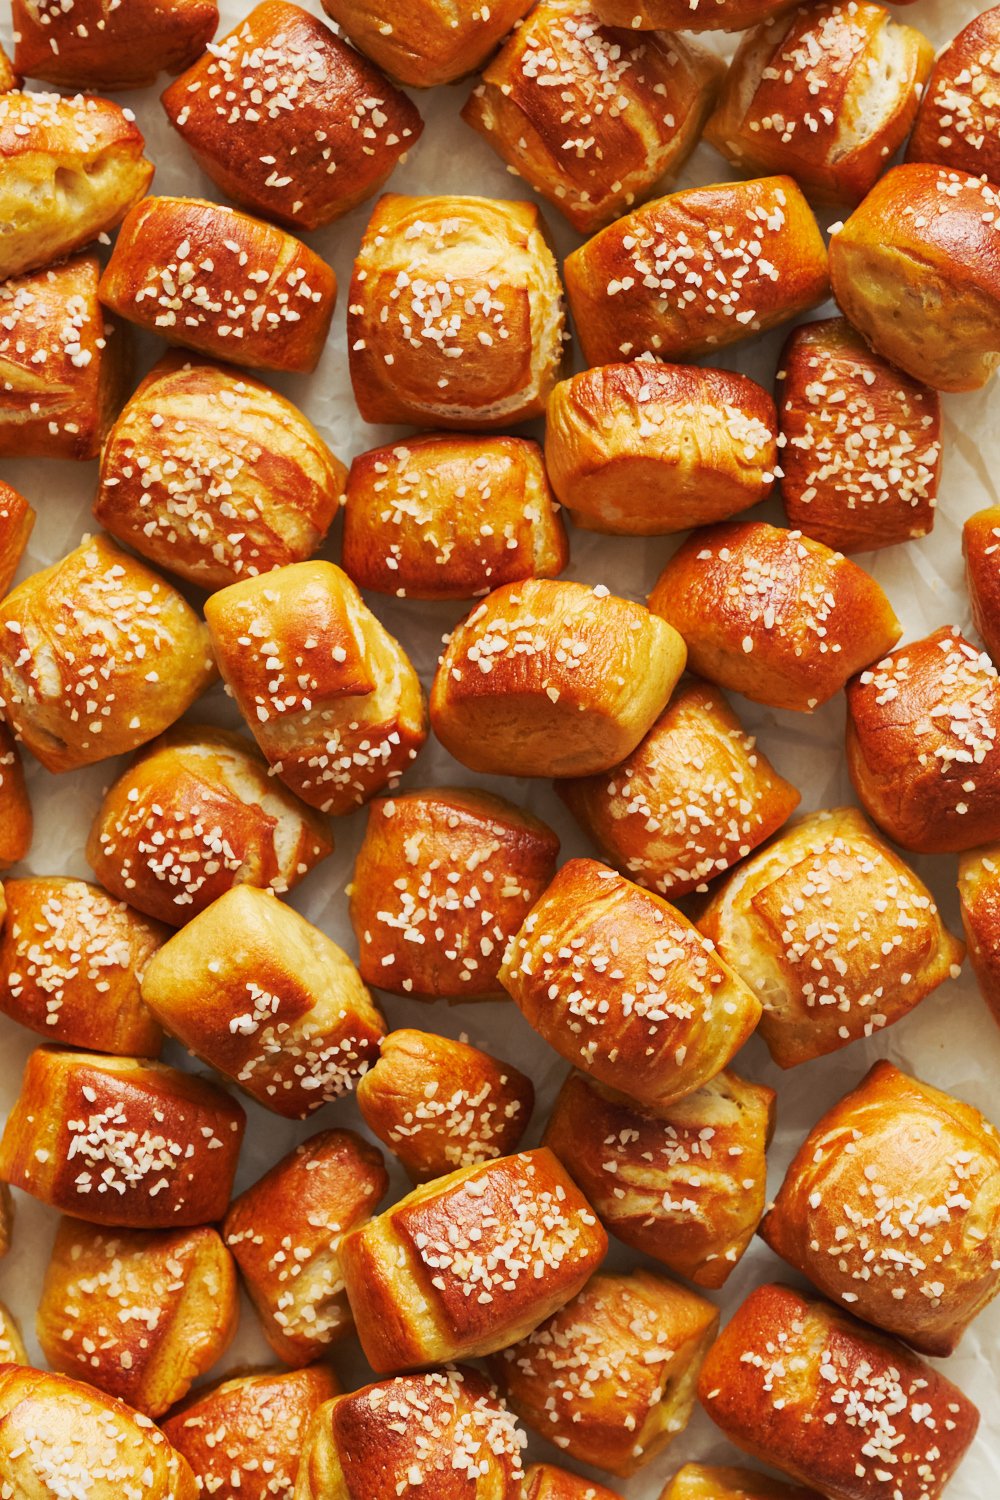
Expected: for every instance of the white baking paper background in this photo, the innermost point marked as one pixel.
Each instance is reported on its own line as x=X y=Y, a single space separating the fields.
x=950 y=1040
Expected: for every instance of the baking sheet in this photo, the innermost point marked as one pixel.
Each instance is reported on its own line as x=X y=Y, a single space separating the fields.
x=950 y=1040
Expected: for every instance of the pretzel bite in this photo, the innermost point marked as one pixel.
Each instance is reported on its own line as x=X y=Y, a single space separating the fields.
x=97 y=655
x=923 y=726
x=442 y=881
x=834 y=934
x=16 y=521
x=455 y=316
x=862 y=441
x=958 y=122
x=440 y=1105
x=266 y=999
x=981 y=547
x=16 y=821
x=610 y=1379
x=115 y=1141
x=592 y=117
x=56 y=1433
x=833 y=1404
x=71 y=170
x=979 y=898
x=222 y=283
x=427 y=42
x=8 y=78
x=469 y=1263
x=642 y=449
x=286 y=1232
x=194 y=815
x=694 y=797
x=12 y=1350
x=689 y=15
x=211 y=475
x=543 y=1482
x=685 y=1186
x=91 y=45
x=916 y=269
x=624 y=987
x=826 y=94
x=701 y=1482
x=289 y=121
x=688 y=274
x=444 y=516
x=772 y=614
x=6 y=1213
x=244 y=1437
x=552 y=679
x=139 y=1314
x=71 y=962
x=443 y=1433
x=892 y=1207
x=330 y=697
x=64 y=364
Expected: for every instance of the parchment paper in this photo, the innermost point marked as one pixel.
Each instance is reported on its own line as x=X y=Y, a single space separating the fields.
x=950 y=1040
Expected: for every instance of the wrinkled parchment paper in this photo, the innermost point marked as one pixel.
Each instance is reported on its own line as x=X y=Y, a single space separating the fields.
x=950 y=1040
